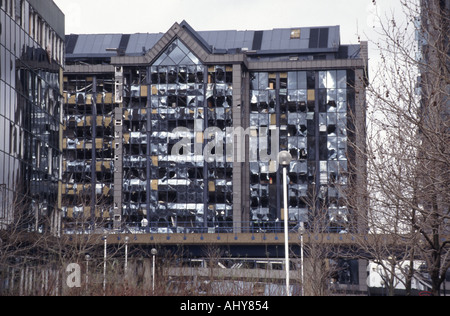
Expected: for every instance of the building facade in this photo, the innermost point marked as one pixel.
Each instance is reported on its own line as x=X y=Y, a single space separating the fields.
x=31 y=64
x=180 y=131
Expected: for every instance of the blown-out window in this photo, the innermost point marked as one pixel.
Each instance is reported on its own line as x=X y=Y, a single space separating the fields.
x=177 y=173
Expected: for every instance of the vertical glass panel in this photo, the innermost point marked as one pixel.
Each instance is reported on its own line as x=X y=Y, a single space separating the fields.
x=333 y=171
x=331 y=96
x=342 y=95
x=303 y=96
x=332 y=148
x=323 y=147
x=292 y=81
x=311 y=79
x=342 y=107
x=322 y=79
x=342 y=124
x=292 y=95
x=332 y=121
x=2 y=63
x=263 y=82
x=342 y=148
x=331 y=79
x=254 y=81
x=323 y=172
x=302 y=80
x=322 y=122
x=342 y=79
x=323 y=100
x=343 y=170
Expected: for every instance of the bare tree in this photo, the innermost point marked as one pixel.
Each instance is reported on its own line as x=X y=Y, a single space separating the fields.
x=320 y=253
x=18 y=243
x=408 y=140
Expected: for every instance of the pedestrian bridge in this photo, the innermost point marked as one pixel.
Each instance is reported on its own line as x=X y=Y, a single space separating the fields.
x=239 y=239
x=256 y=240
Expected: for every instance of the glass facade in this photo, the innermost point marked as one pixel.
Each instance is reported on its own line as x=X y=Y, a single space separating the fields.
x=88 y=148
x=30 y=117
x=307 y=112
x=185 y=137
x=184 y=178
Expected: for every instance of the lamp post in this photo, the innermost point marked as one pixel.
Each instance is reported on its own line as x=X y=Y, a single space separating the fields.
x=127 y=239
x=285 y=158
x=154 y=252
x=105 y=239
x=88 y=258
x=302 y=232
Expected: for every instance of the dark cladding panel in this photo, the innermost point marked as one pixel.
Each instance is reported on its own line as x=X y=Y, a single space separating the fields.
x=139 y=42
x=276 y=41
x=314 y=38
x=71 y=42
x=319 y=38
x=323 y=39
x=257 y=40
x=124 y=42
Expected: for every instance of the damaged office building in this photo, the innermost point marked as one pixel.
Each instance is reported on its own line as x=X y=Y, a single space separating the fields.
x=180 y=131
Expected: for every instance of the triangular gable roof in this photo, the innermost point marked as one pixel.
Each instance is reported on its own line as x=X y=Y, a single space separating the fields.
x=190 y=38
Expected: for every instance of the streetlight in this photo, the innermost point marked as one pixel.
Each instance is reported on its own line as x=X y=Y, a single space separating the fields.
x=105 y=239
x=285 y=158
x=154 y=252
x=126 y=255
x=88 y=258
x=302 y=231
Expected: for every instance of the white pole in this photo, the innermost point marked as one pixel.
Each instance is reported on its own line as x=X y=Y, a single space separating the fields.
x=154 y=252
x=153 y=275
x=286 y=232
x=302 y=258
x=126 y=256
x=87 y=274
x=87 y=257
x=104 y=268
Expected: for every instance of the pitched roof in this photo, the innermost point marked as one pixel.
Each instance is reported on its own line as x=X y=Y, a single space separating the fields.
x=275 y=41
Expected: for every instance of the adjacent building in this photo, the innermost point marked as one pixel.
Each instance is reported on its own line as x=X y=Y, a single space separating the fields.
x=181 y=130
x=31 y=67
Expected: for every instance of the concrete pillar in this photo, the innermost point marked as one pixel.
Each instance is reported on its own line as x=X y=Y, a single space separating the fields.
x=118 y=167
x=240 y=164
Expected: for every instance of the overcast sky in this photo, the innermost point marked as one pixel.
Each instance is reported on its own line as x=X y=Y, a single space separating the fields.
x=356 y=17
x=150 y=16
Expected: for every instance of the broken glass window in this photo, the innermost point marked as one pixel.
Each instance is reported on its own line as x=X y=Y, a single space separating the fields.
x=331 y=79
x=332 y=148
x=322 y=79
x=186 y=108
x=342 y=124
x=342 y=79
x=176 y=54
x=342 y=148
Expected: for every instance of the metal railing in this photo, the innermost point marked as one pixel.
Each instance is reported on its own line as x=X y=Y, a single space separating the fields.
x=254 y=227
x=221 y=227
